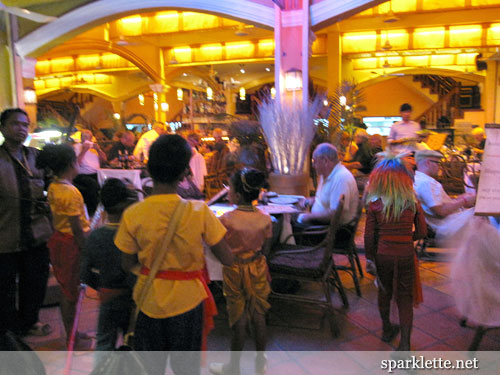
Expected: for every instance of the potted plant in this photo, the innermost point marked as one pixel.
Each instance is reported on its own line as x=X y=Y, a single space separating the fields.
x=288 y=130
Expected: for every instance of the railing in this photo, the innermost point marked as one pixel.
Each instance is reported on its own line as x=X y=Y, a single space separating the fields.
x=438 y=85
x=448 y=106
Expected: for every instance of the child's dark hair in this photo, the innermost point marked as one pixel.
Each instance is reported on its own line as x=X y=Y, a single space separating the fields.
x=57 y=158
x=116 y=196
x=169 y=158
x=4 y=117
x=248 y=183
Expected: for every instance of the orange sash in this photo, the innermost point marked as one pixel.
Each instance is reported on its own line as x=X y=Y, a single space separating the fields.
x=209 y=307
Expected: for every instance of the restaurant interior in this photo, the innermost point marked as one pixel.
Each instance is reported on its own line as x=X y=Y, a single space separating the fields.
x=115 y=65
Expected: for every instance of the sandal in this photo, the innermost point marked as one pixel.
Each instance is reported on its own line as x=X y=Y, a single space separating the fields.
x=40 y=329
x=217 y=368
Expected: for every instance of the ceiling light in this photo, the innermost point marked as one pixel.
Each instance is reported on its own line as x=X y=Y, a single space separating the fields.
x=184 y=74
x=180 y=94
x=273 y=92
x=386 y=64
x=241 y=31
x=210 y=93
x=242 y=71
x=243 y=93
x=141 y=99
x=387 y=45
x=391 y=17
x=116 y=116
x=268 y=69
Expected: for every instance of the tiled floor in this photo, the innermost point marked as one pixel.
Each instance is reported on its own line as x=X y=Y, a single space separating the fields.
x=294 y=327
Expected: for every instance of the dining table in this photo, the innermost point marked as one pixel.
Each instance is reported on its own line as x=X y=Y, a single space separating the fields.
x=214 y=267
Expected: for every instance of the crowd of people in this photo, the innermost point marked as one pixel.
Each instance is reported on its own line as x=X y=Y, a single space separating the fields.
x=400 y=193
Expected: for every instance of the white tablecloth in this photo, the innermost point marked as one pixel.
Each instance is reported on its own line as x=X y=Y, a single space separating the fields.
x=214 y=267
x=133 y=175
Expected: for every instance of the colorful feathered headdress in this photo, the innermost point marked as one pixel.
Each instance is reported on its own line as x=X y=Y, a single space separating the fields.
x=392 y=182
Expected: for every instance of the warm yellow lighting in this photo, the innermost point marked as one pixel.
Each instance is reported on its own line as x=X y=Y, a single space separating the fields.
x=429 y=37
x=239 y=50
x=130 y=25
x=116 y=116
x=166 y=15
x=462 y=36
x=273 y=92
x=182 y=54
x=156 y=106
x=87 y=61
x=210 y=93
x=293 y=80
x=358 y=42
x=141 y=99
x=441 y=60
x=368 y=63
x=155 y=97
x=342 y=100
x=62 y=64
x=164 y=107
x=417 y=61
x=243 y=93
x=198 y=21
x=466 y=58
x=29 y=96
x=360 y=36
x=180 y=94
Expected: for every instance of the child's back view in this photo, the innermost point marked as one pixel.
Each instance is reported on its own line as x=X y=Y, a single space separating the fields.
x=101 y=268
x=246 y=285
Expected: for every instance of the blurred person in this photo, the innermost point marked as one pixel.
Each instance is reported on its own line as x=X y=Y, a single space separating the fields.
x=171 y=318
x=392 y=212
x=246 y=286
x=71 y=226
x=363 y=158
x=125 y=144
x=403 y=135
x=197 y=163
x=479 y=136
x=219 y=145
x=141 y=150
x=443 y=214
x=89 y=159
x=101 y=268
x=347 y=147
x=24 y=229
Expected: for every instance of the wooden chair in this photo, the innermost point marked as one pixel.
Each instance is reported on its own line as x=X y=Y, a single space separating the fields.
x=347 y=247
x=310 y=264
x=216 y=173
x=452 y=177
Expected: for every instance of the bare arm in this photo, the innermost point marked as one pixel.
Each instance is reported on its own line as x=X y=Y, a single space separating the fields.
x=322 y=218
x=462 y=201
x=78 y=233
x=222 y=252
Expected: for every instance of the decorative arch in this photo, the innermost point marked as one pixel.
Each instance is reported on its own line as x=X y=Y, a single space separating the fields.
x=103 y=46
x=92 y=14
x=414 y=71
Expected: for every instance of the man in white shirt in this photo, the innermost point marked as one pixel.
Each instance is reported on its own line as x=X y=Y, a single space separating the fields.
x=403 y=136
x=141 y=151
x=335 y=181
x=197 y=162
x=438 y=207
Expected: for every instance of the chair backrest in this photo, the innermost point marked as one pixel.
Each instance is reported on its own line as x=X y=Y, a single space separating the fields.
x=452 y=178
x=332 y=231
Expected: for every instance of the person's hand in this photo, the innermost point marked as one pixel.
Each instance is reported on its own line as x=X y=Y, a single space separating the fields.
x=469 y=199
x=370 y=267
x=87 y=145
x=304 y=203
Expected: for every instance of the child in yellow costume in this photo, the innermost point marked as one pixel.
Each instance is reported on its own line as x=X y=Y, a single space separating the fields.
x=246 y=285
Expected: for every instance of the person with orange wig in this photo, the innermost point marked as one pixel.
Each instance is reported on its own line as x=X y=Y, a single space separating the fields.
x=392 y=211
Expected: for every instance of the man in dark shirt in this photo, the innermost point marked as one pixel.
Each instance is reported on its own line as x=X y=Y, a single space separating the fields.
x=101 y=268
x=126 y=144
x=363 y=158
x=24 y=229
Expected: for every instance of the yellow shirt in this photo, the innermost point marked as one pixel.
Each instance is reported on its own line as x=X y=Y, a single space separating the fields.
x=141 y=230
x=66 y=200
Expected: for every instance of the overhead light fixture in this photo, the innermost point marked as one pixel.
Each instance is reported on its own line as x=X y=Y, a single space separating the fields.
x=30 y=96
x=293 y=80
x=141 y=99
x=117 y=116
x=180 y=94
x=242 y=71
x=273 y=92
x=156 y=106
x=391 y=17
x=343 y=100
x=241 y=31
x=268 y=69
x=243 y=93
x=184 y=74
x=164 y=107
x=210 y=93
x=387 y=45
x=386 y=64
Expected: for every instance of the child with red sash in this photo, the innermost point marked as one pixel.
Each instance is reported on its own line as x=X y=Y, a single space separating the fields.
x=171 y=317
x=71 y=226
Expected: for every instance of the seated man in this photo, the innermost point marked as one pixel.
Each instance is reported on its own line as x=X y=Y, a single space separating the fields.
x=335 y=181
x=125 y=144
x=442 y=212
